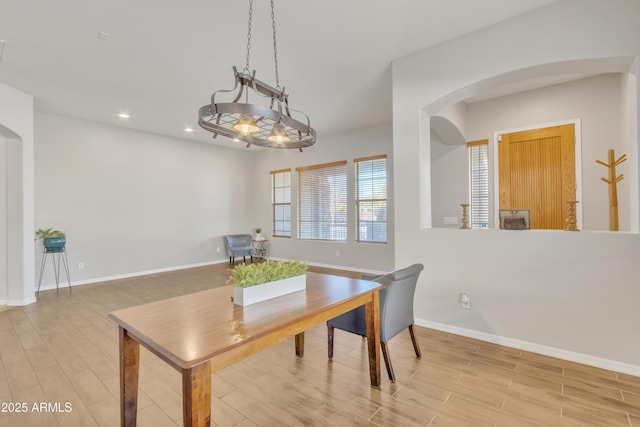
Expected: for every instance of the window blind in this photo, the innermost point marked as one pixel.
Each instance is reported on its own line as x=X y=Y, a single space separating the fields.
x=371 y=199
x=281 y=202
x=479 y=183
x=322 y=201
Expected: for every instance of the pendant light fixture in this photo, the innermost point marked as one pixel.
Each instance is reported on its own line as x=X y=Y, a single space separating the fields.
x=269 y=123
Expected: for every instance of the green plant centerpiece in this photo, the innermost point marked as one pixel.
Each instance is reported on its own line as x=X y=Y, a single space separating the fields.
x=265 y=280
x=247 y=275
x=53 y=240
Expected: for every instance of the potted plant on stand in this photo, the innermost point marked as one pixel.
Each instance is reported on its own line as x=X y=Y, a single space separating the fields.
x=258 y=282
x=53 y=240
x=258 y=235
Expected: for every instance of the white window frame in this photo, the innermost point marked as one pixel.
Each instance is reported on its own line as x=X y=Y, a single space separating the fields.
x=281 y=202
x=478 y=183
x=371 y=224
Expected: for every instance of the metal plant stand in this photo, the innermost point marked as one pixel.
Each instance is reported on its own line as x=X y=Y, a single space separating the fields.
x=61 y=256
x=259 y=251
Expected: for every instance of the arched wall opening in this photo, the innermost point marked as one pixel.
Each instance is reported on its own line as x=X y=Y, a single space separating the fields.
x=526 y=285
x=11 y=222
x=17 y=256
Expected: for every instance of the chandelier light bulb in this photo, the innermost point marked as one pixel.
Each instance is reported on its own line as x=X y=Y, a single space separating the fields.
x=246 y=125
x=279 y=134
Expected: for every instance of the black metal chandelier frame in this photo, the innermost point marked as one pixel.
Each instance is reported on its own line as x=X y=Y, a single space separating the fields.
x=270 y=125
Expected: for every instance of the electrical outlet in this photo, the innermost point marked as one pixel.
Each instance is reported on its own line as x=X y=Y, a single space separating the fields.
x=465 y=301
x=218 y=249
x=337 y=253
x=81 y=266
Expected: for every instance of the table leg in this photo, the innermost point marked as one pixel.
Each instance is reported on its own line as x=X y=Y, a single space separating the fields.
x=372 y=316
x=196 y=395
x=300 y=344
x=129 y=369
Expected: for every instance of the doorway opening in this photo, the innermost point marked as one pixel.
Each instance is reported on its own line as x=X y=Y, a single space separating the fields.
x=538 y=170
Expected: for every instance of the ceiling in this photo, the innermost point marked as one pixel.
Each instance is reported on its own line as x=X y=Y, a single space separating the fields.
x=162 y=59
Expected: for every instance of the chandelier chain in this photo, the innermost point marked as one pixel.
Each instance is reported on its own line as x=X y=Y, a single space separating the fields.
x=275 y=47
x=246 y=67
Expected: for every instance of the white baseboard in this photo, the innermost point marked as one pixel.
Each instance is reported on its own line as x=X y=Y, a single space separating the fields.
x=336 y=267
x=342 y=267
x=64 y=284
x=585 y=359
x=17 y=303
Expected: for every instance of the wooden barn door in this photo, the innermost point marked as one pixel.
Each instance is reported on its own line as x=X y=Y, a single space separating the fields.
x=537 y=172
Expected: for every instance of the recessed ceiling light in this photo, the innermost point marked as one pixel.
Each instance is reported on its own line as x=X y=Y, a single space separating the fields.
x=124 y=116
x=188 y=129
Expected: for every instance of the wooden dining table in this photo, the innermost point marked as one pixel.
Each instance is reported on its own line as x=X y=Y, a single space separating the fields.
x=203 y=332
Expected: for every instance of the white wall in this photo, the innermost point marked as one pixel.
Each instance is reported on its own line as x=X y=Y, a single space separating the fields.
x=364 y=256
x=449 y=181
x=596 y=102
x=4 y=241
x=16 y=164
x=133 y=202
x=550 y=291
x=630 y=91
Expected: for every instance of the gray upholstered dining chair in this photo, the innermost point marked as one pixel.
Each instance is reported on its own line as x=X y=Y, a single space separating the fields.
x=396 y=312
x=239 y=245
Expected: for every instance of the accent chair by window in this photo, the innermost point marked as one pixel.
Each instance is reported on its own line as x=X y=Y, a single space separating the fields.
x=239 y=245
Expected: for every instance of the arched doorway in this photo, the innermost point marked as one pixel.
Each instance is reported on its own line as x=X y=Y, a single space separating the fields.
x=17 y=256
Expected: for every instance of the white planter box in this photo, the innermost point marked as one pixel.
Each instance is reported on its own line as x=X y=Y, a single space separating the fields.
x=254 y=294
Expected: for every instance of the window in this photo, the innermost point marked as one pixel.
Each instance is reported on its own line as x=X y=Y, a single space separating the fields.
x=281 y=202
x=371 y=199
x=479 y=183
x=322 y=201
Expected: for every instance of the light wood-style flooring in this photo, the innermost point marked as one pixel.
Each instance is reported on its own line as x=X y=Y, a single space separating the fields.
x=62 y=350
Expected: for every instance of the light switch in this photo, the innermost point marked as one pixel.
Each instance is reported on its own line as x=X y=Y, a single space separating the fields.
x=450 y=220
